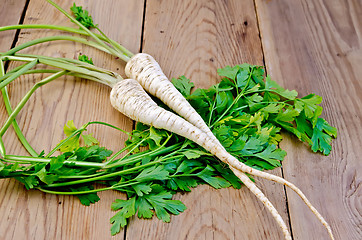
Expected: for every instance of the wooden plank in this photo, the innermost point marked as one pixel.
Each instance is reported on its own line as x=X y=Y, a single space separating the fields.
x=32 y=214
x=10 y=12
x=194 y=38
x=316 y=46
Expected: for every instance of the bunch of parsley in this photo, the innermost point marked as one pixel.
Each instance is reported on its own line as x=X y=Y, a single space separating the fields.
x=245 y=112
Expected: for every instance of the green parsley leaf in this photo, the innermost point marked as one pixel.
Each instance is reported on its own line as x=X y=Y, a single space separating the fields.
x=225 y=135
x=183 y=85
x=144 y=208
x=209 y=176
x=322 y=136
x=89 y=140
x=304 y=127
x=258 y=75
x=182 y=183
x=72 y=143
x=29 y=182
x=142 y=189
x=275 y=87
x=229 y=72
x=223 y=100
x=69 y=128
x=82 y=16
x=46 y=177
x=86 y=199
x=163 y=205
x=228 y=175
x=194 y=153
x=242 y=77
x=85 y=58
x=157 y=135
x=272 y=155
x=127 y=208
x=310 y=106
x=188 y=165
x=152 y=173
x=288 y=115
x=56 y=162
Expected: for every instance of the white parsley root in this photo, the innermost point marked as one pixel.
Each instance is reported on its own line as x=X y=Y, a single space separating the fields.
x=145 y=69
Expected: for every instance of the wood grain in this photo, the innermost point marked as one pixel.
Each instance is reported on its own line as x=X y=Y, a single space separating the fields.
x=194 y=38
x=31 y=214
x=316 y=46
x=10 y=12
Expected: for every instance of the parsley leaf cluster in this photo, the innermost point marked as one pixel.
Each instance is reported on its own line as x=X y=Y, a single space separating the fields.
x=82 y=16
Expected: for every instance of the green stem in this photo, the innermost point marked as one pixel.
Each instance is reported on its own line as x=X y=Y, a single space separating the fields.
x=26 y=98
x=15 y=69
x=28 y=159
x=67 y=29
x=115 y=44
x=113 y=174
x=54 y=38
x=109 y=125
x=87 y=71
x=5 y=79
x=103 y=78
x=75 y=193
x=15 y=125
x=81 y=175
x=120 y=162
x=114 y=52
x=117 y=186
x=72 y=64
x=2 y=147
x=59 y=145
x=74 y=74
x=119 y=152
x=213 y=107
x=9 y=109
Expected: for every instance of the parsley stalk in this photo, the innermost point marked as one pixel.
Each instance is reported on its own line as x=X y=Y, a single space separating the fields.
x=16 y=127
x=55 y=38
x=118 y=173
x=29 y=159
x=66 y=29
x=112 y=50
x=2 y=147
x=26 y=98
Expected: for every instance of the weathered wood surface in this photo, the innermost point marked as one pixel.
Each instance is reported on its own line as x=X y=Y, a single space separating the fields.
x=11 y=12
x=310 y=46
x=316 y=46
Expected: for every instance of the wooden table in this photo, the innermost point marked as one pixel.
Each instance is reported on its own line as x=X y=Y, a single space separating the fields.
x=307 y=45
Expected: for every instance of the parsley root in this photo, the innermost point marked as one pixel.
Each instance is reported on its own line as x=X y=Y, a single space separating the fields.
x=145 y=69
